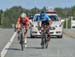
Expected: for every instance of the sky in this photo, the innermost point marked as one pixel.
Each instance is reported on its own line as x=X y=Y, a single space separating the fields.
x=28 y=4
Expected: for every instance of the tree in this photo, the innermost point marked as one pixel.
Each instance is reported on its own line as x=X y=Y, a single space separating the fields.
x=34 y=10
x=10 y=16
x=0 y=15
x=44 y=8
x=60 y=12
x=73 y=10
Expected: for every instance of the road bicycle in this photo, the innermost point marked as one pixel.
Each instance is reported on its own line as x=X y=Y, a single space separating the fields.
x=21 y=38
x=44 y=38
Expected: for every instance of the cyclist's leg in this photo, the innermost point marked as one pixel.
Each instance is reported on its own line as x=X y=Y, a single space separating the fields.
x=18 y=32
x=48 y=33
x=38 y=25
x=25 y=36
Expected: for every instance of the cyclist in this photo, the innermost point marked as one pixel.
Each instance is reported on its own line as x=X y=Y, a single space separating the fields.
x=23 y=20
x=46 y=22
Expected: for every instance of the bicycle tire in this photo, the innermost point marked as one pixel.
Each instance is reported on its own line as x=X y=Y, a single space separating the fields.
x=46 y=44
x=22 y=42
x=43 y=41
x=46 y=41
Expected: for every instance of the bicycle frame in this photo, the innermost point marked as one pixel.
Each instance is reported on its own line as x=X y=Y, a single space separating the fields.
x=21 y=37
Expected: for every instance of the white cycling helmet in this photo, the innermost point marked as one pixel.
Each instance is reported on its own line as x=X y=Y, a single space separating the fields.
x=23 y=15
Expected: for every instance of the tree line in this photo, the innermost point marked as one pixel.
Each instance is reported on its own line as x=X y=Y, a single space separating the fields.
x=9 y=16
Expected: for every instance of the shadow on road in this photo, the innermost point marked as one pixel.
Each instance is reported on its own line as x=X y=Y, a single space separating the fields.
x=16 y=49
x=52 y=37
x=13 y=49
x=34 y=48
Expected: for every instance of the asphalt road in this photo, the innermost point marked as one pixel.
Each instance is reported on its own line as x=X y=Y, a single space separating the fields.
x=5 y=35
x=64 y=47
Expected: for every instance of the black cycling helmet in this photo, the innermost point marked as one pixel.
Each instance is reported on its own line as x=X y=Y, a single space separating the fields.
x=42 y=14
x=42 y=11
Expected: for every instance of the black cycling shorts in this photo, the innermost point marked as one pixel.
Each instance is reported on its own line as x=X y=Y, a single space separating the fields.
x=45 y=23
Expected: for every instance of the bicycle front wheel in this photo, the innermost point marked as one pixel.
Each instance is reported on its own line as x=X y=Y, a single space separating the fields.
x=43 y=42
x=46 y=41
x=22 y=43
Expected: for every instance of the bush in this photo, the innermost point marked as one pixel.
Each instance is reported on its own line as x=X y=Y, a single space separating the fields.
x=64 y=26
x=69 y=23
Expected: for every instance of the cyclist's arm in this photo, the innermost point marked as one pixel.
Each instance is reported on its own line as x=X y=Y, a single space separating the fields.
x=31 y=24
x=50 y=21
x=27 y=21
x=18 y=25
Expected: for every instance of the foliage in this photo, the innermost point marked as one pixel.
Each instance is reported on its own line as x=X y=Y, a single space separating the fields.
x=69 y=23
x=0 y=15
x=9 y=16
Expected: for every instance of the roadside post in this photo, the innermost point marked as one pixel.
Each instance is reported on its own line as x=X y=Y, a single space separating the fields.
x=71 y=21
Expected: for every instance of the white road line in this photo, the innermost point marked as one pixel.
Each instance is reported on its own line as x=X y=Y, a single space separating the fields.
x=5 y=49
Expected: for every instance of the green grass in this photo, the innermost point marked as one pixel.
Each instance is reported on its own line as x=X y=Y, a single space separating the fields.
x=64 y=24
x=72 y=35
x=68 y=25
